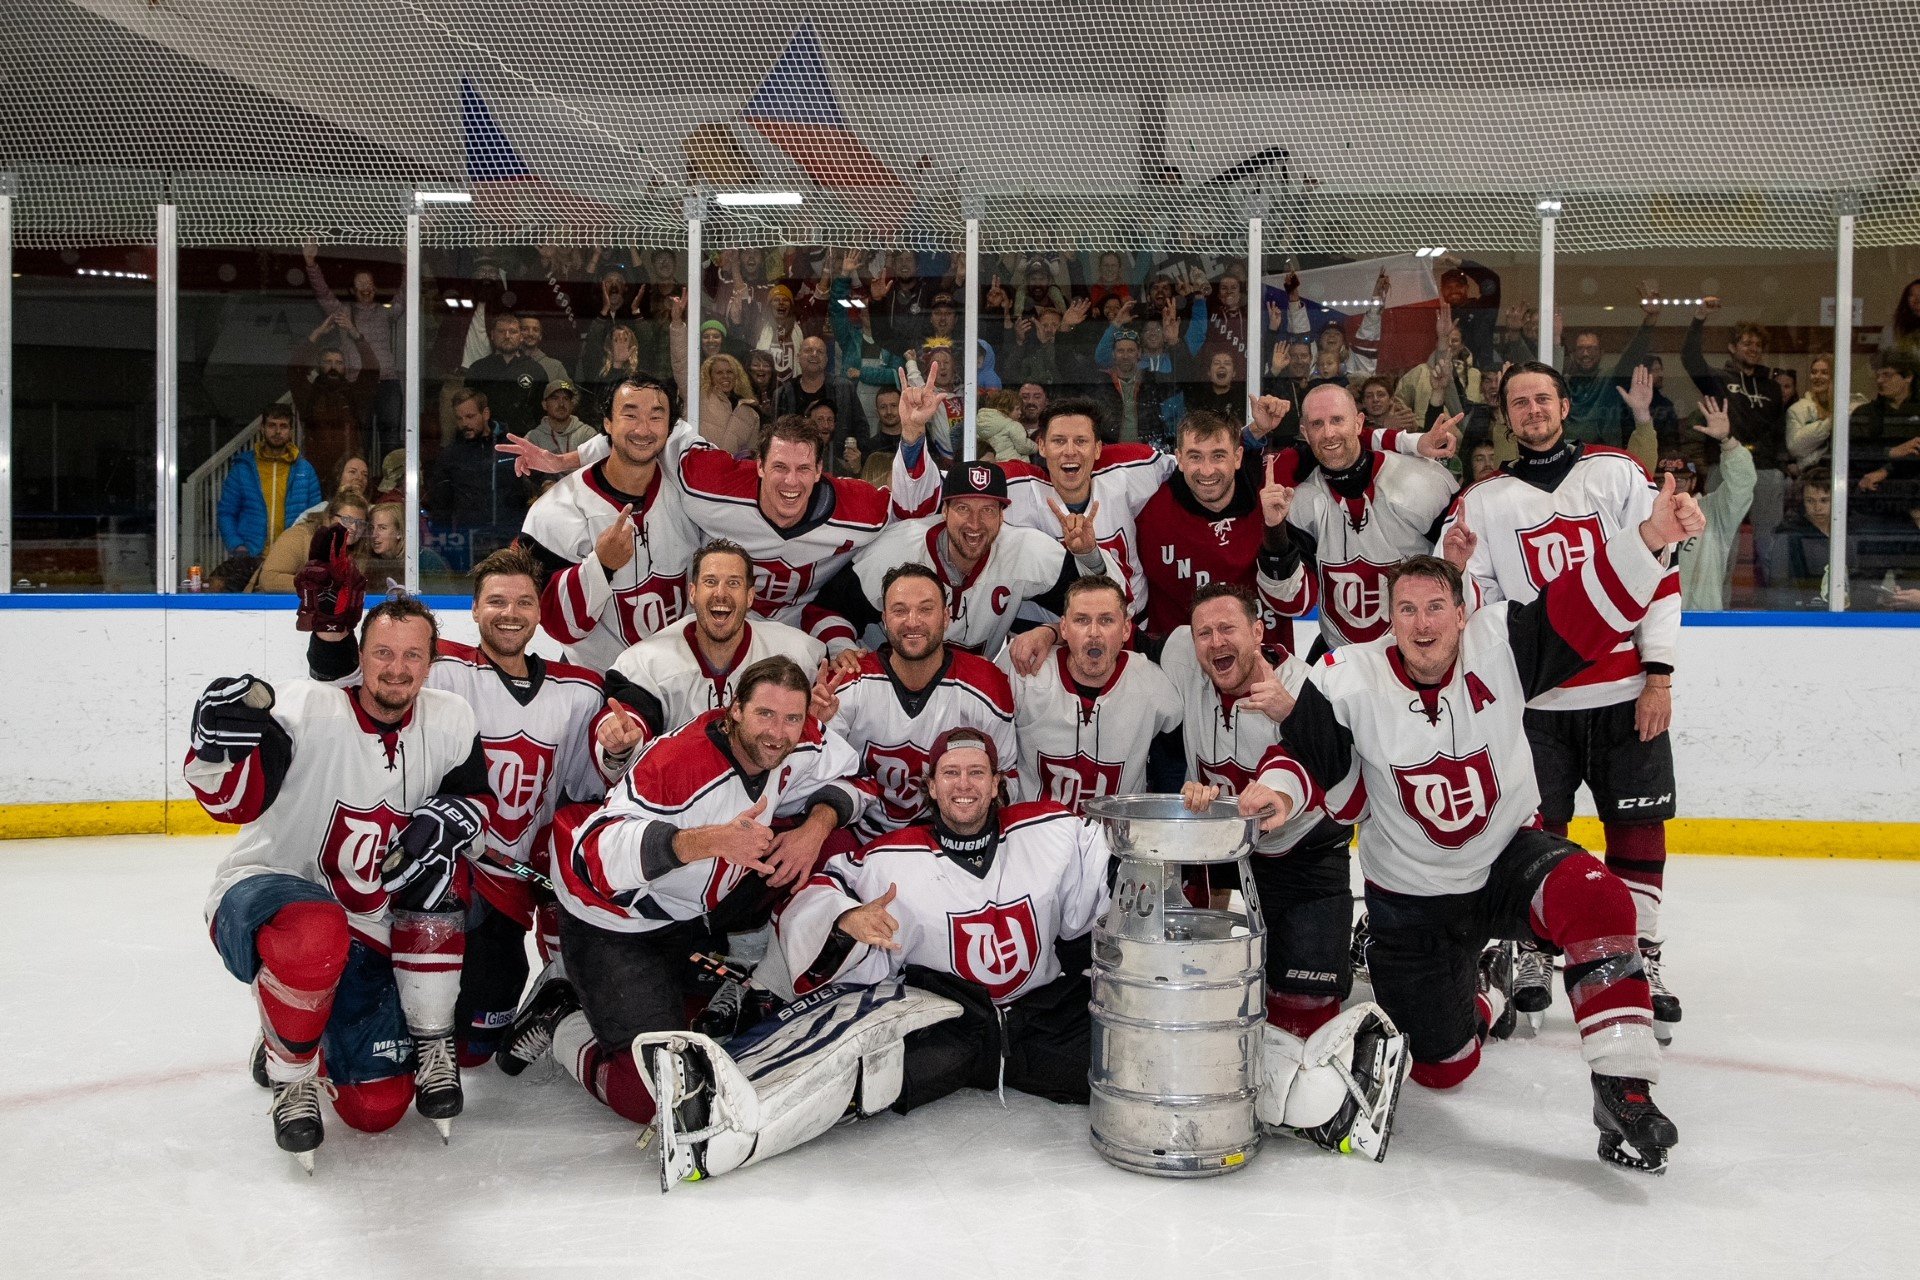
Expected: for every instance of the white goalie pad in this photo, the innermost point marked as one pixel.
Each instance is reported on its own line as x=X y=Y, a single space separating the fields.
x=835 y=1053
x=1338 y=1088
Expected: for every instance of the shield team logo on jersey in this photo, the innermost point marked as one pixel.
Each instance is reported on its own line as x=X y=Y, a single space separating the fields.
x=518 y=769
x=1116 y=546
x=995 y=946
x=1230 y=776
x=1451 y=797
x=777 y=583
x=1554 y=546
x=1068 y=780
x=351 y=851
x=1356 y=596
x=646 y=608
x=900 y=769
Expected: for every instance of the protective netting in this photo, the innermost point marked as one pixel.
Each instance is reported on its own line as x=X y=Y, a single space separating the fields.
x=1353 y=128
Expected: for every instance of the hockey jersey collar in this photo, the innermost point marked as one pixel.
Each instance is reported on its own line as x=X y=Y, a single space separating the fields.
x=1429 y=693
x=1244 y=501
x=914 y=701
x=1353 y=488
x=1074 y=687
x=595 y=478
x=388 y=734
x=973 y=854
x=523 y=692
x=718 y=675
x=1545 y=469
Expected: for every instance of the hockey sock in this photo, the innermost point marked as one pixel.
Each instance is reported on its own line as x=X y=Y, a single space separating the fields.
x=609 y=1074
x=1299 y=1015
x=427 y=951
x=374 y=1106
x=1555 y=829
x=1638 y=855
x=1455 y=1069
x=546 y=930
x=1589 y=914
x=303 y=949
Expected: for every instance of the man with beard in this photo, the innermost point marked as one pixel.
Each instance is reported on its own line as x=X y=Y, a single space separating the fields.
x=473 y=498
x=338 y=902
x=1089 y=717
x=682 y=853
x=335 y=409
x=915 y=687
x=691 y=667
x=511 y=381
x=549 y=737
x=614 y=537
x=1597 y=414
x=267 y=488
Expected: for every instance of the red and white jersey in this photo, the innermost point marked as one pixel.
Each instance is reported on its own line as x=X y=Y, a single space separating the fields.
x=594 y=613
x=1531 y=535
x=1023 y=564
x=1357 y=540
x=1184 y=547
x=618 y=870
x=1126 y=476
x=1047 y=881
x=1073 y=747
x=349 y=785
x=671 y=668
x=1445 y=773
x=893 y=728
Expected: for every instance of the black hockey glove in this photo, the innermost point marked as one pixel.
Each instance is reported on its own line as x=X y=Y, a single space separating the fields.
x=231 y=719
x=418 y=870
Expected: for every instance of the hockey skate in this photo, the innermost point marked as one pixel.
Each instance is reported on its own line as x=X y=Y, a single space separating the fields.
x=437 y=1094
x=681 y=1092
x=1533 y=984
x=297 y=1126
x=531 y=1035
x=1364 y=1124
x=1666 y=1005
x=1357 y=950
x=1634 y=1134
x=257 y=1063
x=1496 y=984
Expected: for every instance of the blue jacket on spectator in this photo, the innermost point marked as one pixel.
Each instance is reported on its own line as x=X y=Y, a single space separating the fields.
x=245 y=504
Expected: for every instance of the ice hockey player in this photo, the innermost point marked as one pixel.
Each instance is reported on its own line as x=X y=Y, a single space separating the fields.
x=614 y=536
x=691 y=667
x=1088 y=718
x=339 y=903
x=905 y=695
x=1426 y=729
x=972 y=914
x=990 y=569
x=1549 y=512
x=549 y=737
x=682 y=853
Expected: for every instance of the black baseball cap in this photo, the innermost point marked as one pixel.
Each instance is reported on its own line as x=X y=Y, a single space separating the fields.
x=974 y=480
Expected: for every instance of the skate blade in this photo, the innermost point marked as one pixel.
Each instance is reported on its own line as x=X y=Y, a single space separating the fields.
x=1617 y=1151
x=1534 y=1022
x=446 y=1131
x=306 y=1161
x=1663 y=1034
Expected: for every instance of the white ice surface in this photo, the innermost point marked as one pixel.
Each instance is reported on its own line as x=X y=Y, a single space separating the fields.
x=133 y=1142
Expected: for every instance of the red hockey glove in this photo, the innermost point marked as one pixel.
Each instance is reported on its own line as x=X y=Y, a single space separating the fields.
x=332 y=589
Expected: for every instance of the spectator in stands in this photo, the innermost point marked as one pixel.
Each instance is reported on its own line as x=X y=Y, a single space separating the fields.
x=1758 y=413
x=1789 y=383
x=1038 y=353
x=267 y=487
x=1901 y=336
x=334 y=410
x=612 y=364
x=1483 y=421
x=884 y=441
x=763 y=385
x=1810 y=418
x=1001 y=436
x=350 y=472
x=1706 y=559
x=1596 y=414
x=813 y=384
x=779 y=334
x=1289 y=378
x=387 y=550
x=729 y=420
x=1481 y=461
x=1472 y=292
x=1033 y=406
x=1041 y=292
x=376 y=322
x=1220 y=395
x=1446 y=382
x=1666 y=418
x=1220 y=324
x=475 y=500
x=510 y=380
x=1801 y=551
x=1381 y=408
x=1109 y=280
x=291 y=550
x=1884 y=450
x=1134 y=399
x=559 y=429
x=533 y=333
x=393 y=478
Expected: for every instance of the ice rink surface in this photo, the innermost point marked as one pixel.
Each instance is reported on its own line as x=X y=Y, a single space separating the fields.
x=133 y=1142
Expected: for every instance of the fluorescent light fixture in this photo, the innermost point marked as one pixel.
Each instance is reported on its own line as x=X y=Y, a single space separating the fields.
x=443 y=197
x=1548 y=206
x=1672 y=302
x=1429 y=253
x=757 y=199
x=107 y=275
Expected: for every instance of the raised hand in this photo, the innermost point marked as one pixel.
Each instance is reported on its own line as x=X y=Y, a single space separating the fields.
x=1199 y=796
x=997 y=296
x=529 y=457
x=824 y=703
x=620 y=731
x=872 y=923
x=1268 y=695
x=1638 y=393
x=331 y=587
x=1649 y=299
x=1707 y=306
x=1276 y=500
x=1076 y=313
x=1676 y=517
x=1442 y=439
x=230 y=719
x=1263 y=802
x=1906 y=449
x=1268 y=413
x=1276 y=317
x=1076 y=531
x=742 y=840
x=880 y=286
x=1717 y=425
x=1460 y=542
x=917 y=406
x=614 y=546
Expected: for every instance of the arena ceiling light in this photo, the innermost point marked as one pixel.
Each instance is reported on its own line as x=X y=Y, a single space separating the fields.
x=1549 y=206
x=1430 y=253
x=756 y=199
x=443 y=197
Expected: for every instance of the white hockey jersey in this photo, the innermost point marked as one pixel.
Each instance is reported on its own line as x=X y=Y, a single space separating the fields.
x=349 y=784
x=1446 y=773
x=618 y=870
x=1023 y=564
x=1047 y=882
x=1073 y=747
x=1124 y=478
x=1357 y=540
x=594 y=613
x=1529 y=536
x=893 y=729
x=671 y=669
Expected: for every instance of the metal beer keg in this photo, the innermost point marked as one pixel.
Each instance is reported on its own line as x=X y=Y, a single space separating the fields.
x=1179 y=994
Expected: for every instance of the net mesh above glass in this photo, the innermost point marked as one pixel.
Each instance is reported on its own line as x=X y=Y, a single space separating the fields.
x=1349 y=128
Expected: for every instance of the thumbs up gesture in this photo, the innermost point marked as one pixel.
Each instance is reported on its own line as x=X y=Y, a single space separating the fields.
x=872 y=923
x=743 y=840
x=1676 y=517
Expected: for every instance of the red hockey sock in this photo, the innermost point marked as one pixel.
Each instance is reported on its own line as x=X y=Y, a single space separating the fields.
x=1589 y=914
x=1555 y=829
x=375 y=1106
x=1638 y=855
x=611 y=1076
x=546 y=926
x=1300 y=1016
x=303 y=949
x=1455 y=1070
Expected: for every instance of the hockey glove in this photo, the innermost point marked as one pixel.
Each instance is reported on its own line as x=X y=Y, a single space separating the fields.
x=418 y=871
x=231 y=719
x=331 y=587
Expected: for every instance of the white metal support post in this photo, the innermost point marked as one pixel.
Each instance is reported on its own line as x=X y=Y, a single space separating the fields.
x=1842 y=394
x=1256 y=305
x=1549 y=209
x=7 y=189
x=970 y=358
x=696 y=207
x=411 y=413
x=166 y=387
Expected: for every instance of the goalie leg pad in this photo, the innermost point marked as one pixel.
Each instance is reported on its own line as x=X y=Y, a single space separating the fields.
x=1338 y=1088
x=796 y=1074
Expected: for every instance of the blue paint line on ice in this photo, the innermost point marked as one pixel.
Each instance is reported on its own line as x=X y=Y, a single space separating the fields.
x=216 y=601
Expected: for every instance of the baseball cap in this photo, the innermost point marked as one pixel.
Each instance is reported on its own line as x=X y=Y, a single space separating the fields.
x=974 y=480
x=560 y=384
x=962 y=737
x=942 y=300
